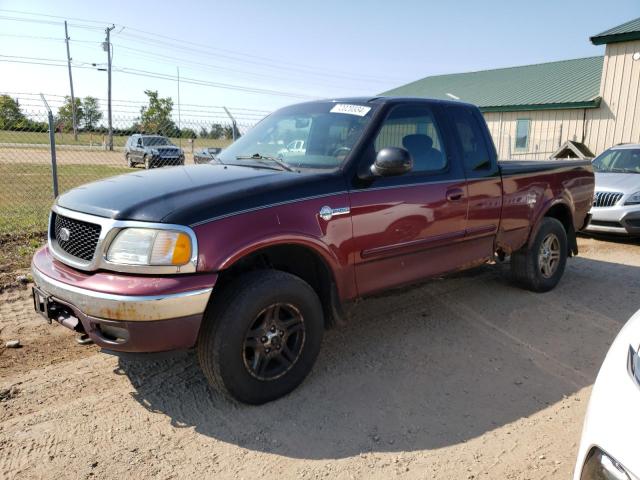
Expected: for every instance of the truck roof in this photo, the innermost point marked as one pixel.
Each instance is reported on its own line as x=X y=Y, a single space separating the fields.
x=391 y=99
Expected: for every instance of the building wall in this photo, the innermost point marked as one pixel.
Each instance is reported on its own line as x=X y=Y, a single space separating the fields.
x=618 y=118
x=548 y=129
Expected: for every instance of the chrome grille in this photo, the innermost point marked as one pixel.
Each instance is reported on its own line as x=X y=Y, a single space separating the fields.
x=606 y=199
x=83 y=236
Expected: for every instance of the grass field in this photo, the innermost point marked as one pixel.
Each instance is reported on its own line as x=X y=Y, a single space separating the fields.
x=26 y=192
x=95 y=139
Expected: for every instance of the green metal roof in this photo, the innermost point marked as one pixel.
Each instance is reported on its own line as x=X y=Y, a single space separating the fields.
x=544 y=86
x=622 y=33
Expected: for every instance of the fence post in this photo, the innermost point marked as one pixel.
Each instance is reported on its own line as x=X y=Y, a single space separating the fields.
x=235 y=133
x=52 y=147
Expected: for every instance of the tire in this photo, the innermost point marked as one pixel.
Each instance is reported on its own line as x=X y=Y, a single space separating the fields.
x=147 y=162
x=231 y=345
x=130 y=163
x=540 y=267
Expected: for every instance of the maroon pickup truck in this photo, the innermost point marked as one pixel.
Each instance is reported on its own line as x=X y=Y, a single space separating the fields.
x=249 y=259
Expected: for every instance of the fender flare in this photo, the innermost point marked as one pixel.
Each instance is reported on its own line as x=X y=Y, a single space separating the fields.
x=571 y=232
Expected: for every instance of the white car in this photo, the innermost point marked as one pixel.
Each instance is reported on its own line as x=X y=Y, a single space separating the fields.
x=610 y=445
x=616 y=202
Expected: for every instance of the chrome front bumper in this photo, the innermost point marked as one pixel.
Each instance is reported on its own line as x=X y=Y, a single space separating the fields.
x=124 y=307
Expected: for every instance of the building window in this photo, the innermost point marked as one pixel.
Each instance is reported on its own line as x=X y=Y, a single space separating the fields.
x=522 y=133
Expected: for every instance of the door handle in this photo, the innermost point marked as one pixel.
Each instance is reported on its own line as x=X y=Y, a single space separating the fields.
x=455 y=194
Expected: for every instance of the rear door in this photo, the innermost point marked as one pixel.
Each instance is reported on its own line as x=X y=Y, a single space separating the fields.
x=406 y=227
x=484 y=183
x=139 y=150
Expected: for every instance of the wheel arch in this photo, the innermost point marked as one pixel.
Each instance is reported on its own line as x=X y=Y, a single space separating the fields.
x=562 y=212
x=301 y=258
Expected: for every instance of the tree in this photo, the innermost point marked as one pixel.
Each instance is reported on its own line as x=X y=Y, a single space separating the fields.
x=217 y=131
x=156 y=117
x=65 y=114
x=11 y=117
x=228 y=131
x=91 y=112
x=188 y=133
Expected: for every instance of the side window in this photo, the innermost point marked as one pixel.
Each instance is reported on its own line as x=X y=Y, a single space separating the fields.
x=522 y=133
x=140 y=141
x=471 y=138
x=414 y=128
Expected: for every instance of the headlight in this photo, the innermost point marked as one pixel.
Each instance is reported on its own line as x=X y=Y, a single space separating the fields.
x=146 y=246
x=600 y=466
x=633 y=199
x=633 y=365
x=155 y=151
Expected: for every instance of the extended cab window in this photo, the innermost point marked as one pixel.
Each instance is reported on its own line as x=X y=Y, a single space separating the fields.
x=413 y=127
x=471 y=139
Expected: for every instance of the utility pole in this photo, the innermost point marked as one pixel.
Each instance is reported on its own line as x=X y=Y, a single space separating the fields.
x=179 y=122
x=107 y=47
x=74 y=118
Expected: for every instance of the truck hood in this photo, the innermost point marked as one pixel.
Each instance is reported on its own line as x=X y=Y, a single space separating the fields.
x=618 y=182
x=191 y=194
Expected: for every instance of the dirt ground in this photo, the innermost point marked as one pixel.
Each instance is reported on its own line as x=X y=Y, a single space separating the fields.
x=460 y=378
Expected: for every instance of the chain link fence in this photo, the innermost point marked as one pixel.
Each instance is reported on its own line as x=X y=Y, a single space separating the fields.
x=31 y=166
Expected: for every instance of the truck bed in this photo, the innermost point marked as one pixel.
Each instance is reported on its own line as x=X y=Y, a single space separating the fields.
x=516 y=167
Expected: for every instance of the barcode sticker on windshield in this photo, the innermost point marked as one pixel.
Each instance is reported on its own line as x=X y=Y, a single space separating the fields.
x=358 y=110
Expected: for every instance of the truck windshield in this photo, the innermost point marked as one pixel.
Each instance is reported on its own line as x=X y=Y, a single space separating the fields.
x=155 y=141
x=624 y=160
x=316 y=135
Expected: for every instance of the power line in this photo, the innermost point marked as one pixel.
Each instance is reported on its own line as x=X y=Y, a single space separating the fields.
x=228 y=54
x=47 y=22
x=137 y=102
x=160 y=76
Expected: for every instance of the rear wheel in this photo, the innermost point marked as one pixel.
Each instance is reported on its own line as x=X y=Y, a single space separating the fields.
x=261 y=336
x=540 y=267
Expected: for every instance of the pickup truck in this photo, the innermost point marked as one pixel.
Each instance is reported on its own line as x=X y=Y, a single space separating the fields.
x=250 y=259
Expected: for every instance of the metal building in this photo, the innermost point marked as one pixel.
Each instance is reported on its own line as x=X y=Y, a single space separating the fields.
x=570 y=108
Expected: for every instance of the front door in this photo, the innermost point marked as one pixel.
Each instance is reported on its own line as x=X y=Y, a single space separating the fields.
x=407 y=227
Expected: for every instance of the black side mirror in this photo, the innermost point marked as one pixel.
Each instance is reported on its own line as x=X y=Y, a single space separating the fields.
x=392 y=161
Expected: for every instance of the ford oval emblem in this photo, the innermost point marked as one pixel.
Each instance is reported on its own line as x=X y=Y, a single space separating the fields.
x=64 y=234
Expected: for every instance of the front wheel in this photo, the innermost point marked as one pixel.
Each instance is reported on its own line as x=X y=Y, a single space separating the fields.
x=540 y=267
x=130 y=163
x=261 y=336
x=147 y=162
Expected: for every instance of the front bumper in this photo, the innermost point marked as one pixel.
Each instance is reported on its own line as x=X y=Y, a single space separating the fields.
x=161 y=315
x=159 y=161
x=621 y=220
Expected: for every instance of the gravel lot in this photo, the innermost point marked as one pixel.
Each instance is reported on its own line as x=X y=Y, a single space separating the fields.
x=460 y=378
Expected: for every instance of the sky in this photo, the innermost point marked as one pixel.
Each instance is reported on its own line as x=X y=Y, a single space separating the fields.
x=256 y=56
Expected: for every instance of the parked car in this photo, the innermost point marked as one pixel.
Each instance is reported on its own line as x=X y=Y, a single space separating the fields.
x=152 y=151
x=616 y=204
x=296 y=147
x=609 y=445
x=206 y=155
x=250 y=259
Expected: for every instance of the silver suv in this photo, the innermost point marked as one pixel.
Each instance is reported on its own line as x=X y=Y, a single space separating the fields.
x=152 y=151
x=616 y=203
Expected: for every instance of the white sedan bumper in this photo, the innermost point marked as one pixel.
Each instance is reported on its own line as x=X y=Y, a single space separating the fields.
x=610 y=434
x=623 y=220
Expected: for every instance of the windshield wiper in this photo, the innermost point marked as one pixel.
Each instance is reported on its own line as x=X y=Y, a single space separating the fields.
x=258 y=156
